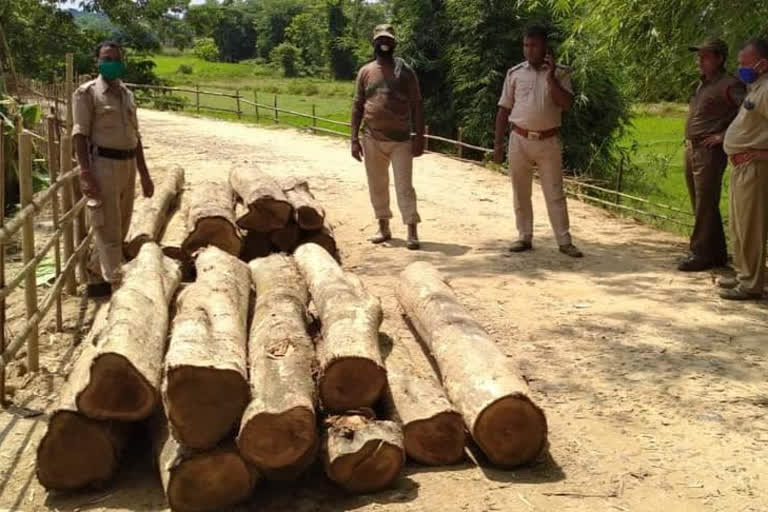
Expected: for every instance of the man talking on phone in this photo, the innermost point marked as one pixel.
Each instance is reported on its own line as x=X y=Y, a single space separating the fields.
x=536 y=92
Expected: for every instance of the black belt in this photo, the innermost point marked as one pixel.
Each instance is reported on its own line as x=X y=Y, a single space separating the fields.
x=116 y=154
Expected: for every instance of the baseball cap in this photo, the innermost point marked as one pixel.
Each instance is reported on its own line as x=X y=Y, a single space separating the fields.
x=714 y=45
x=384 y=30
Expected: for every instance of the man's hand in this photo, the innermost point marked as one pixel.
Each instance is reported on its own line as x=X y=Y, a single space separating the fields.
x=147 y=186
x=549 y=62
x=89 y=185
x=498 y=154
x=417 y=145
x=712 y=141
x=357 y=150
x=756 y=155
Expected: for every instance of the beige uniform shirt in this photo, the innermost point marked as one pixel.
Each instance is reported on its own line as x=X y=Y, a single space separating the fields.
x=106 y=114
x=750 y=128
x=526 y=94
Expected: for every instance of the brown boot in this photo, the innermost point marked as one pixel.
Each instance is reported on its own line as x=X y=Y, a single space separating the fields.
x=413 y=238
x=383 y=234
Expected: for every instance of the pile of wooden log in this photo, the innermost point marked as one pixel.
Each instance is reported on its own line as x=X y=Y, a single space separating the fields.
x=278 y=216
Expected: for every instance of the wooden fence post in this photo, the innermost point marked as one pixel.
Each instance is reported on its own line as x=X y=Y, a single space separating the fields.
x=53 y=171
x=277 y=120
x=461 y=139
x=237 y=100
x=314 y=119
x=2 y=266
x=80 y=227
x=65 y=161
x=426 y=138
x=256 y=104
x=28 y=242
x=619 y=180
x=197 y=98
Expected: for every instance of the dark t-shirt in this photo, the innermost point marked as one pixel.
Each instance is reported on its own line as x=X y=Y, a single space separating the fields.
x=713 y=106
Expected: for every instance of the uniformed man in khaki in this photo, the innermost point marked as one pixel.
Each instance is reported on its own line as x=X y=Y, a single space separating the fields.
x=746 y=143
x=535 y=95
x=109 y=150
x=712 y=108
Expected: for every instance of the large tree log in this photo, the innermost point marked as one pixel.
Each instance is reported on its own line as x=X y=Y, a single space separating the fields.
x=362 y=454
x=77 y=451
x=279 y=430
x=351 y=371
x=324 y=238
x=432 y=428
x=150 y=214
x=268 y=208
x=205 y=390
x=494 y=401
x=255 y=245
x=125 y=374
x=200 y=481
x=286 y=238
x=175 y=231
x=308 y=212
x=211 y=218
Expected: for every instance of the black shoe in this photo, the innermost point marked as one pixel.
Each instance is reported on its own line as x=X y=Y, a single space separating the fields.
x=695 y=264
x=520 y=246
x=99 y=290
x=571 y=250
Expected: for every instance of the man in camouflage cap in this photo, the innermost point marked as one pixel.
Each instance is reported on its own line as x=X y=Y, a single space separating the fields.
x=388 y=105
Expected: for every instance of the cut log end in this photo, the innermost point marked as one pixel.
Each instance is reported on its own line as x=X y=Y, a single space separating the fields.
x=437 y=441
x=75 y=452
x=216 y=231
x=511 y=431
x=116 y=391
x=212 y=481
x=277 y=441
x=371 y=469
x=197 y=412
x=266 y=215
x=351 y=383
x=309 y=218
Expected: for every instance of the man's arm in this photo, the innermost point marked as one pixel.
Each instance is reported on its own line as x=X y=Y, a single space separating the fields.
x=502 y=115
x=357 y=118
x=560 y=92
x=417 y=114
x=88 y=183
x=141 y=165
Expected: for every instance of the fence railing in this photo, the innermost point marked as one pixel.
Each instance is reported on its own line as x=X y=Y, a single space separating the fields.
x=67 y=215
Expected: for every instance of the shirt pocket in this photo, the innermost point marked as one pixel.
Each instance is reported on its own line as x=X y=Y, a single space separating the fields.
x=107 y=116
x=524 y=90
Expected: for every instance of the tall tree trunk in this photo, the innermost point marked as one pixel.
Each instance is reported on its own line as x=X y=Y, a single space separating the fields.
x=268 y=208
x=279 y=429
x=125 y=374
x=308 y=212
x=205 y=390
x=361 y=454
x=211 y=218
x=151 y=214
x=494 y=401
x=350 y=366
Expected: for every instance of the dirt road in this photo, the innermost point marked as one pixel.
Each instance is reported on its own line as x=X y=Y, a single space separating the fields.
x=655 y=389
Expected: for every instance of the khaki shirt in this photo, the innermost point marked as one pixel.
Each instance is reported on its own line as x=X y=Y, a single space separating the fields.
x=750 y=128
x=713 y=106
x=526 y=94
x=106 y=114
x=385 y=96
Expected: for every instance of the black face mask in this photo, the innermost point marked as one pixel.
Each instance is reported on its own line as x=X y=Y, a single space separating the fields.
x=379 y=49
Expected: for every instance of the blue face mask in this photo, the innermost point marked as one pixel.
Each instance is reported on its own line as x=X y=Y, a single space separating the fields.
x=748 y=74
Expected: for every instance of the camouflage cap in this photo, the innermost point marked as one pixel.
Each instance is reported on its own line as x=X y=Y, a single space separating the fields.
x=714 y=45
x=384 y=30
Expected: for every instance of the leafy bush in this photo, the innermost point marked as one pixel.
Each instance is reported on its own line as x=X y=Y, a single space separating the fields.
x=287 y=56
x=205 y=49
x=185 y=69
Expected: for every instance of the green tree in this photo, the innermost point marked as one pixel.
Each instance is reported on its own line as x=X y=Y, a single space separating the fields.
x=205 y=48
x=288 y=56
x=274 y=17
x=203 y=18
x=306 y=32
x=341 y=53
x=235 y=35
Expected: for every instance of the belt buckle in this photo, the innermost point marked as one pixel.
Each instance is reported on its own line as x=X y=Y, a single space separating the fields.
x=534 y=135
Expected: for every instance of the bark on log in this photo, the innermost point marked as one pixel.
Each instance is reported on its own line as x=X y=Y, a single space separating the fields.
x=77 y=451
x=286 y=238
x=200 y=481
x=175 y=230
x=432 y=428
x=324 y=238
x=255 y=245
x=150 y=214
x=308 y=212
x=211 y=218
x=278 y=433
x=350 y=366
x=268 y=208
x=494 y=401
x=125 y=374
x=361 y=454
x=205 y=389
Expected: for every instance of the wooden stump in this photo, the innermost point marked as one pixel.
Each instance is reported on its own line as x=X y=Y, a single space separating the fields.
x=200 y=481
x=351 y=370
x=494 y=401
x=278 y=433
x=361 y=454
x=308 y=212
x=267 y=207
x=211 y=218
x=151 y=214
x=77 y=451
x=286 y=238
x=433 y=430
x=125 y=374
x=206 y=383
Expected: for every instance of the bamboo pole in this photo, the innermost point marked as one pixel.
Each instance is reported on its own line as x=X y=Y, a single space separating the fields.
x=426 y=137
x=314 y=119
x=65 y=161
x=53 y=170
x=460 y=138
x=2 y=266
x=237 y=101
x=256 y=104
x=28 y=243
x=197 y=98
x=79 y=225
x=276 y=118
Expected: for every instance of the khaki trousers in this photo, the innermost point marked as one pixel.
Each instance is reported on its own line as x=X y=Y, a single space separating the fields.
x=704 y=168
x=749 y=224
x=377 y=155
x=110 y=221
x=546 y=155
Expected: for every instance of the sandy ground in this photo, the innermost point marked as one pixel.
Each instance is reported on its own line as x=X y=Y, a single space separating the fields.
x=655 y=389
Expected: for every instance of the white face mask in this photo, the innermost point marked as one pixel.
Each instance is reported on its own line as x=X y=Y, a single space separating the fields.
x=385 y=47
